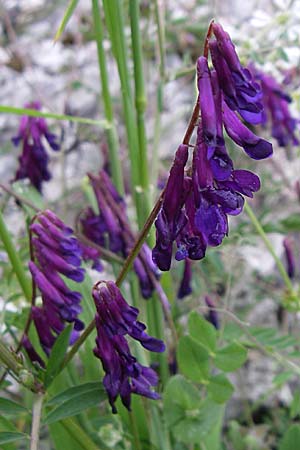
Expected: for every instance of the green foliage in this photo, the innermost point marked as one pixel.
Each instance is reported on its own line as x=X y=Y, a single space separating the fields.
x=188 y=417
x=8 y=406
x=11 y=436
x=231 y=357
x=193 y=359
x=219 y=388
x=57 y=355
x=203 y=332
x=75 y=400
x=291 y=439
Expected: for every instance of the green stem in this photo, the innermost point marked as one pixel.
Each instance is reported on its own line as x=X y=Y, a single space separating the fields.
x=36 y=113
x=77 y=433
x=15 y=259
x=9 y=360
x=36 y=420
x=260 y=231
x=161 y=37
x=111 y=132
x=140 y=93
x=114 y=20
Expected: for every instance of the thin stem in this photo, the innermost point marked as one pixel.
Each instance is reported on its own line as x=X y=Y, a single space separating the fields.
x=113 y=147
x=159 y=17
x=15 y=259
x=36 y=420
x=208 y=35
x=9 y=359
x=79 y=435
x=260 y=231
x=19 y=197
x=35 y=113
x=135 y=431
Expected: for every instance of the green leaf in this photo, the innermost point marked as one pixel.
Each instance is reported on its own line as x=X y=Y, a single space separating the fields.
x=202 y=331
x=76 y=403
x=282 y=378
x=291 y=223
x=189 y=418
x=180 y=398
x=67 y=15
x=193 y=359
x=295 y=405
x=192 y=430
x=11 y=436
x=75 y=391
x=8 y=406
x=57 y=355
x=231 y=357
x=291 y=439
x=220 y=389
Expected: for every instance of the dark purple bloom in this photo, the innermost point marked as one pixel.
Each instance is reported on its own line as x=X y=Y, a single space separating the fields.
x=124 y=375
x=171 y=219
x=56 y=251
x=254 y=146
x=276 y=109
x=33 y=132
x=110 y=228
x=241 y=92
x=290 y=258
x=198 y=199
x=185 y=287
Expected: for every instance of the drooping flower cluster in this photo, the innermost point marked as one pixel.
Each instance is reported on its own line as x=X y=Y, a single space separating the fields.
x=115 y=319
x=276 y=109
x=197 y=201
x=33 y=132
x=56 y=252
x=110 y=228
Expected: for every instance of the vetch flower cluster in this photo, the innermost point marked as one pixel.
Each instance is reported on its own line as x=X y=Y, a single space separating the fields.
x=115 y=319
x=276 y=109
x=56 y=253
x=33 y=132
x=197 y=201
x=110 y=228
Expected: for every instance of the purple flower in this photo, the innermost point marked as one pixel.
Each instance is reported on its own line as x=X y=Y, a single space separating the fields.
x=56 y=251
x=276 y=104
x=185 y=287
x=171 y=219
x=198 y=199
x=290 y=258
x=33 y=132
x=110 y=228
x=241 y=92
x=254 y=146
x=115 y=319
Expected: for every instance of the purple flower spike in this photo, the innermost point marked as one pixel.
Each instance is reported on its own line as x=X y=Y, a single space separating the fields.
x=56 y=252
x=241 y=92
x=33 y=132
x=254 y=146
x=124 y=375
x=171 y=220
x=185 y=287
x=290 y=258
x=207 y=106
